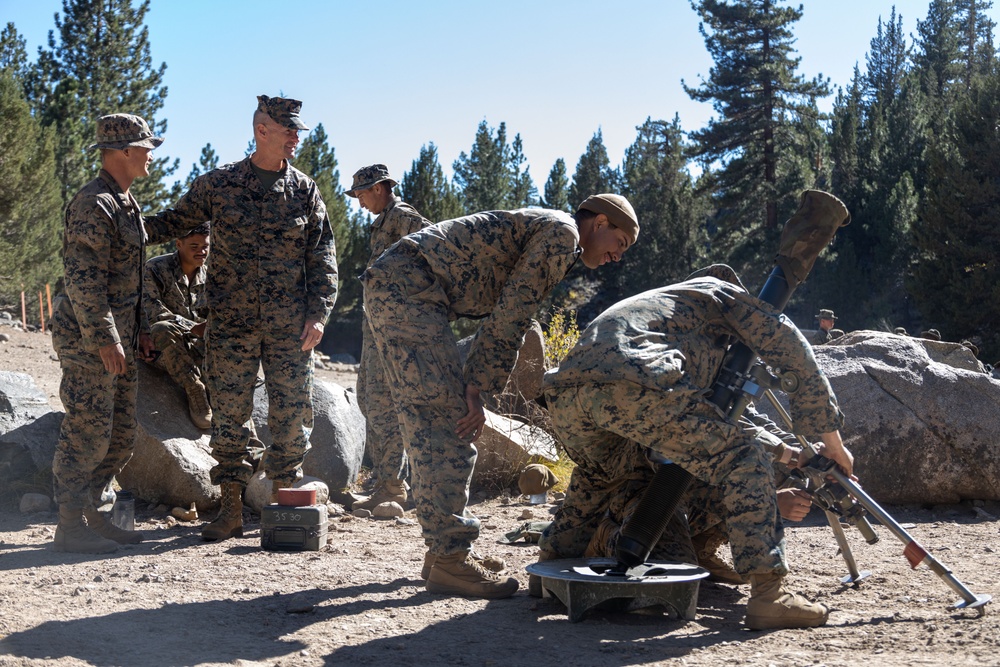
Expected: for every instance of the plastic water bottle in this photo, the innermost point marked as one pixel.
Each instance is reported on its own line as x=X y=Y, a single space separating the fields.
x=123 y=512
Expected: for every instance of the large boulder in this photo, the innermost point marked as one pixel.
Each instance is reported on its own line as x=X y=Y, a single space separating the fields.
x=338 y=437
x=29 y=429
x=525 y=381
x=922 y=417
x=505 y=447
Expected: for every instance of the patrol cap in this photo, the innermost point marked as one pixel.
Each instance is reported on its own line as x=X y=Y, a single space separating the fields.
x=826 y=314
x=619 y=212
x=283 y=111
x=367 y=177
x=931 y=334
x=536 y=479
x=121 y=130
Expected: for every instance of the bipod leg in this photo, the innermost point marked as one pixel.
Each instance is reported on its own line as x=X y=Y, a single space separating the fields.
x=845 y=550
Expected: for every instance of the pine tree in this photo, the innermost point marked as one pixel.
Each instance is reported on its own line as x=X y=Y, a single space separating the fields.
x=594 y=173
x=208 y=161
x=317 y=160
x=30 y=222
x=759 y=99
x=977 y=49
x=523 y=192
x=426 y=189
x=483 y=176
x=13 y=56
x=99 y=64
x=557 y=188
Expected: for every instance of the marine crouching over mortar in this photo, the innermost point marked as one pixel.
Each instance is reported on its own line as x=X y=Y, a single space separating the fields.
x=635 y=392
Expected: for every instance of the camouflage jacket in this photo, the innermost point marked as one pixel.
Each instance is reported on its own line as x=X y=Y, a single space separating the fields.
x=498 y=265
x=273 y=256
x=396 y=221
x=168 y=296
x=821 y=337
x=669 y=339
x=103 y=246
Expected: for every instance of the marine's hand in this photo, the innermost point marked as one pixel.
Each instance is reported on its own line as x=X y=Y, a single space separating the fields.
x=113 y=356
x=793 y=504
x=833 y=449
x=146 y=347
x=471 y=425
x=312 y=334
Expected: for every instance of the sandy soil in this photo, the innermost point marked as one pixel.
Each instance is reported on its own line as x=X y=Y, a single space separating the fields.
x=174 y=600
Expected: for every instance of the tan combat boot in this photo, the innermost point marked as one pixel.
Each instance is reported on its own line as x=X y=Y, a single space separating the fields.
x=457 y=574
x=489 y=562
x=275 y=487
x=98 y=522
x=771 y=607
x=198 y=407
x=392 y=491
x=73 y=536
x=706 y=546
x=229 y=523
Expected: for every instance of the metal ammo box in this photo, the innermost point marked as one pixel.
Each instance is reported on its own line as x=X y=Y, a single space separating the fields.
x=285 y=528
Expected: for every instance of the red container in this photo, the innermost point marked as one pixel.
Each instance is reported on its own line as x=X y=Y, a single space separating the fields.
x=296 y=497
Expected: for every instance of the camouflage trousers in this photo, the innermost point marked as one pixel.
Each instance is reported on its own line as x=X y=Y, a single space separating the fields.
x=382 y=437
x=606 y=428
x=181 y=354
x=98 y=431
x=409 y=319
x=232 y=363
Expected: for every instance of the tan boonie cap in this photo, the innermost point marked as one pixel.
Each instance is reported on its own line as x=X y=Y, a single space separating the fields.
x=826 y=314
x=284 y=112
x=366 y=177
x=620 y=213
x=535 y=479
x=121 y=130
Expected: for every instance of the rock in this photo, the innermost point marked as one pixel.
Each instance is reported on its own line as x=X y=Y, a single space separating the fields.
x=258 y=491
x=362 y=514
x=172 y=457
x=526 y=378
x=4 y=338
x=342 y=358
x=29 y=429
x=921 y=430
x=387 y=510
x=338 y=436
x=505 y=447
x=35 y=502
x=527 y=514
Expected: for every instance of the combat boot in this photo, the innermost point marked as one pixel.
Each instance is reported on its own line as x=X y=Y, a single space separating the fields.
x=534 y=581
x=458 y=574
x=98 y=522
x=706 y=546
x=772 y=607
x=198 y=407
x=229 y=523
x=73 y=536
x=489 y=562
x=275 y=487
x=393 y=491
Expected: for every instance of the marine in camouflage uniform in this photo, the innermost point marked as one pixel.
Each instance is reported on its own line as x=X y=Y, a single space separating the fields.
x=824 y=334
x=495 y=266
x=637 y=380
x=175 y=307
x=271 y=288
x=95 y=331
x=373 y=187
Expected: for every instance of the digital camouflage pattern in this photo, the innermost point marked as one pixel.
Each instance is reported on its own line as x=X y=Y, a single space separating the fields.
x=283 y=111
x=103 y=245
x=637 y=379
x=366 y=177
x=173 y=306
x=821 y=337
x=374 y=396
x=273 y=267
x=498 y=266
x=121 y=130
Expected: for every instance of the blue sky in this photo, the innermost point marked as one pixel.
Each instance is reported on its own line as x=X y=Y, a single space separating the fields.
x=386 y=78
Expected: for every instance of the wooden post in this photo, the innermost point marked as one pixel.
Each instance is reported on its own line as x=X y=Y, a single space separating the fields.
x=24 y=313
x=41 y=311
x=48 y=295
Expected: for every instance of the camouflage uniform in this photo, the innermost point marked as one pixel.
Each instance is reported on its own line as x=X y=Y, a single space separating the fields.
x=821 y=337
x=497 y=266
x=637 y=379
x=103 y=245
x=388 y=455
x=272 y=267
x=173 y=306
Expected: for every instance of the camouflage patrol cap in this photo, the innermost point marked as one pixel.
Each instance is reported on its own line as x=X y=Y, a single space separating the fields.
x=284 y=112
x=121 y=130
x=826 y=314
x=619 y=211
x=536 y=479
x=367 y=177
x=931 y=334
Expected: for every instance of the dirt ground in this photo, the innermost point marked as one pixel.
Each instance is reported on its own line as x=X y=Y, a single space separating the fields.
x=174 y=600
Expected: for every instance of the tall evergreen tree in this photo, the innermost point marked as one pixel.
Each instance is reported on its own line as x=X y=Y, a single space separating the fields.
x=317 y=160
x=760 y=99
x=426 y=188
x=523 y=192
x=557 y=188
x=207 y=161
x=13 y=55
x=976 y=29
x=30 y=222
x=483 y=176
x=98 y=62
x=594 y=173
